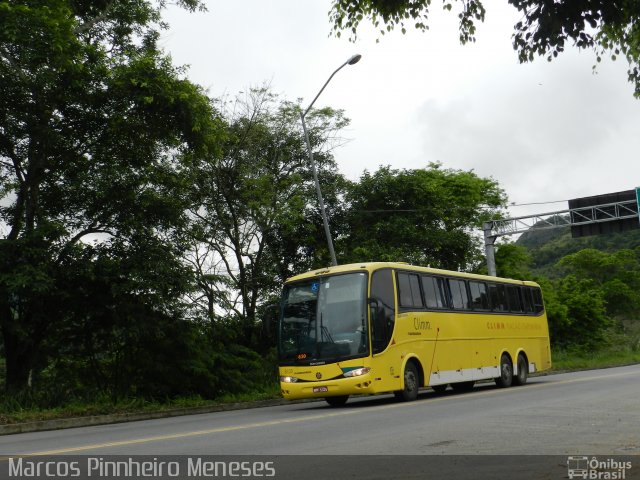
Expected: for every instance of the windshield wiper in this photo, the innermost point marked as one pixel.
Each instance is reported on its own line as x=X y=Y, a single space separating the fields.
x=324 y=331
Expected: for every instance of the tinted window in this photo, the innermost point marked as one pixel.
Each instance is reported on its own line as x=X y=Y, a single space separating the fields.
x=434 y=292
x=404 y=290
x=324 y=319
x=459 y=297
x=537 y=300
x=513 y=293
x=479 y=295
x=498 y=297
x=383 y=310
x=527 y=304
x=416 y=294
x=409 y=286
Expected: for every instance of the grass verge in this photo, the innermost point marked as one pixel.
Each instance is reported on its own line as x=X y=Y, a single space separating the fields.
x=12 y=411
x=566 y=360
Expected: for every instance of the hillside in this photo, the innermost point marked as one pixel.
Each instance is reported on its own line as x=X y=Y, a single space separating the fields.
x=547 y=246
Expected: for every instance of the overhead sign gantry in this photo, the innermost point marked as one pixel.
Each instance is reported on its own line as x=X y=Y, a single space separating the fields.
x=612 y=212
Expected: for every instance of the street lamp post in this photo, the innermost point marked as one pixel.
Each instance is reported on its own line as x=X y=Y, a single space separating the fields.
x=353 y=60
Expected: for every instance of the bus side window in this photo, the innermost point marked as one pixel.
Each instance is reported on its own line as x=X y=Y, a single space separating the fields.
x=383 y=321
x=479 y=295
x=459 y=295
x=434 y=291
x=538 y=306
x=442 y=289
x=526 y=299
x=409 y=290
x=498 y=297
x=515 y=305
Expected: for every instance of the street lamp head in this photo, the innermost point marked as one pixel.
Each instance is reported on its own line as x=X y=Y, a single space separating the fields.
x=355 y=59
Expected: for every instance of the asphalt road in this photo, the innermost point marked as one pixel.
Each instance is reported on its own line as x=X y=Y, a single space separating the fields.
x=581 y=413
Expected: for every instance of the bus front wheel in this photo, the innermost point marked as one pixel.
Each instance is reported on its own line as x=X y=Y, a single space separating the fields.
x=337 y=401
x=506 y=372
x=411 y=384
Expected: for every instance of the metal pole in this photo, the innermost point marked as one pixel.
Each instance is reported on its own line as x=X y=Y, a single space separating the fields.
x=325 y=220
x=489 y=248
x=352 y=60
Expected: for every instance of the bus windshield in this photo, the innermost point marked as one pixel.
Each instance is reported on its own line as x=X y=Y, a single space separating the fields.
x=324 y=320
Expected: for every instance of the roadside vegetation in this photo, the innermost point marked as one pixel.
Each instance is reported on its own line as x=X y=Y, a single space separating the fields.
x=145 y=227
x=25 y=410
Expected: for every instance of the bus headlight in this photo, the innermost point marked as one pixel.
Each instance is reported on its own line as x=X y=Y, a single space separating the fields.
x=288 y=379
x=357 y=372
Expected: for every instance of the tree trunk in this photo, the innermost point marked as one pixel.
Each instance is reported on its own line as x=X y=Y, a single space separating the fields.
x=19 y=354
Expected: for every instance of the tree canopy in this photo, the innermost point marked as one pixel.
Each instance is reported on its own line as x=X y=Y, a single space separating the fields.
x=607 y=27
x=95 y=127
x=422 y=216
x=255 y=220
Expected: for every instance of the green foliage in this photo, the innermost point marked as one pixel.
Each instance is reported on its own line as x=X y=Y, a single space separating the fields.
x=608 y=356
x=513 y=261
x=609 y=28
x=96 y=126
x=586 y=320
x=424 y=216
x=617 y=276
x=28 y=408
x=594 y=296
x=387 y=15
x=548 y=246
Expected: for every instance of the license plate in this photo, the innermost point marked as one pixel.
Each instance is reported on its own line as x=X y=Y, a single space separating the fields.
x=320 y=389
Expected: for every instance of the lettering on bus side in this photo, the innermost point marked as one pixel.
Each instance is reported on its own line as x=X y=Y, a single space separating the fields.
x=513 y=326
x=421 y=324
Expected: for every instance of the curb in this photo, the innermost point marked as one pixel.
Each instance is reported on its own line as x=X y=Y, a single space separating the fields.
x=74 y=422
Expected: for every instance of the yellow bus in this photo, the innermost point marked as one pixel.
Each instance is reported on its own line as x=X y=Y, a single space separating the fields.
x=371 y=328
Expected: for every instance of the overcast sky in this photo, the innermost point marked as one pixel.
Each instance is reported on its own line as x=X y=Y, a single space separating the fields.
x=545 y=131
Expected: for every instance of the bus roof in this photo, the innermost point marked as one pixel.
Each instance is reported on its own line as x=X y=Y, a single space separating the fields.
x=371 y=266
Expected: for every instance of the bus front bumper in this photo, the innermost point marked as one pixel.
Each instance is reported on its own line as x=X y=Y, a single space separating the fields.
x=329 y=388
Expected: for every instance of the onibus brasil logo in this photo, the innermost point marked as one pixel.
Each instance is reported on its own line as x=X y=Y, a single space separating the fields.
x=597 y=469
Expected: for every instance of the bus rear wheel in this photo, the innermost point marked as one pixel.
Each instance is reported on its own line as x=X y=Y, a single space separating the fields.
x=506 y=372
x=523 y=371
x=411 y=384
x=337 y=401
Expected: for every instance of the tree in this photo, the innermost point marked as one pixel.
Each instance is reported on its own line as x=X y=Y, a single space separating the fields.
x=608 y=27
x=513 y=261
x=423 y=216
x=616 y=274
x=257 y=221
x=119 y=326
x=576 y=312
x=96 y=129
